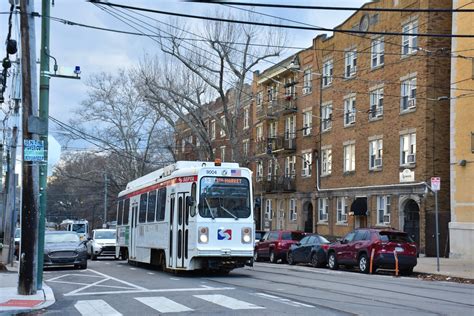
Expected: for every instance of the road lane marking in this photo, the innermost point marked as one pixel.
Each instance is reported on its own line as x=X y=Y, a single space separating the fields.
x=198 y=289
x=118 y=280
x=163 y=304
x=132 y=268
x=95 y=307
x=150 y=273
x=174 y=279
x=100 y=285
x=283 y=300
x=228 y=302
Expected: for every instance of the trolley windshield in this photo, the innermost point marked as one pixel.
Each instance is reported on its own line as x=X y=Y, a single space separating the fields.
x=222 y=197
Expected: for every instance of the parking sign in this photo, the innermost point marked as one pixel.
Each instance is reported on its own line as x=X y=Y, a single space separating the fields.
x=435 y=183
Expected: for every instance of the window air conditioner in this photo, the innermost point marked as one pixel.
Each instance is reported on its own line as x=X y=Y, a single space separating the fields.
x=411 y=103
x=324 y=217
x=411 y=158
x=386 y=219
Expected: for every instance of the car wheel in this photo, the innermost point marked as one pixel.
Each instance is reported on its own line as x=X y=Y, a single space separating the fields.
x=332 y=261
x=364 y=263
x=290 y=259
x=272 y=257
x=314 y=261
x=408 y=271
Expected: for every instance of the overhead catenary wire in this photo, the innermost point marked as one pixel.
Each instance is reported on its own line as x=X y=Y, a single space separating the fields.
x=333 y=8
x=307 y=28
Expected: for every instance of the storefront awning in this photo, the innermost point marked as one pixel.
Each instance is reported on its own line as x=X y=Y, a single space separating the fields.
x=359 y=206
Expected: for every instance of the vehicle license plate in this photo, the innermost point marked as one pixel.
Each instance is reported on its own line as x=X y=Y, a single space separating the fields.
x=398 y=249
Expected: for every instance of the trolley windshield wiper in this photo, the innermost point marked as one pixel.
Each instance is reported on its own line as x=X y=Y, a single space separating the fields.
x=209 y=208
x=229 y=212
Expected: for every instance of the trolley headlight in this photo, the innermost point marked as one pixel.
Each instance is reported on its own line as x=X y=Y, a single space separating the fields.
x=246 y=235
x=203 y=235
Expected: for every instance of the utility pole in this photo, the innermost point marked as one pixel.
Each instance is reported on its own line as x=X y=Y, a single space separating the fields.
x=44 y=118
x=29 y=211
x=104 y=225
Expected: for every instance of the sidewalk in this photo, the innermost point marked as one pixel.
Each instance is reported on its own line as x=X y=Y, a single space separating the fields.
x=451 y=267
x=12 y=302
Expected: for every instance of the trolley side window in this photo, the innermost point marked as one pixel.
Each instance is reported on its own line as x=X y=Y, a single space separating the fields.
x=126 y=211
x=161 y=205
x=119 y=212
x=142 y=210
x=150 y=215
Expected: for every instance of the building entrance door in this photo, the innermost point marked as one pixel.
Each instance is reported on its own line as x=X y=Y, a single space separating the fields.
x=411 y=225
x=308 y=224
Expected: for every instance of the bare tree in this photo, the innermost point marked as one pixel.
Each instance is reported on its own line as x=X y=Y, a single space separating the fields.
x=218 y=67
x=135 y=138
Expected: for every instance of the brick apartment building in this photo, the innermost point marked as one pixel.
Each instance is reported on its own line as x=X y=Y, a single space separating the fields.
x=363 y=157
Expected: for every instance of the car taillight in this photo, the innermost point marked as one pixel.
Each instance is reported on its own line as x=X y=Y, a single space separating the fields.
x=325 y=246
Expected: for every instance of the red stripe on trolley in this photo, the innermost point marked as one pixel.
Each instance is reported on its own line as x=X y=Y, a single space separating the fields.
x=163 y=185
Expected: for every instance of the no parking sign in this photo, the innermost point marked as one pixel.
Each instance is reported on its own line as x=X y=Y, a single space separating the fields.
x=435 y=183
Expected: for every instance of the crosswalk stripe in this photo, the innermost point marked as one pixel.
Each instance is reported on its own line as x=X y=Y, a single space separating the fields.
x=96 y=307
x=283 y=300
x=163 y=304
x=228 y=302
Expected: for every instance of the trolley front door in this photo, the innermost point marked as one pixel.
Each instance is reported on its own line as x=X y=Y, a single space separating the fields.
x=172 y=243
x=181 y=227
x=133 y=232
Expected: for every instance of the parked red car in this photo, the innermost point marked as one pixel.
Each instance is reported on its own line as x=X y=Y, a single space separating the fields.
x=275 y=244
x=356 y=247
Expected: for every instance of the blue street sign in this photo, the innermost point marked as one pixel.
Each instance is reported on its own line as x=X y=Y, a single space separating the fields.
x=33 y=150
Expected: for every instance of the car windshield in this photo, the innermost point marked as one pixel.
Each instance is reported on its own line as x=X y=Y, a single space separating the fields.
x=79 y=228
x=222 y=197
x=61 y=238
x=394 y=237
x=292 y=236
x=104 y=235
x=17 y=233
x=324 y=240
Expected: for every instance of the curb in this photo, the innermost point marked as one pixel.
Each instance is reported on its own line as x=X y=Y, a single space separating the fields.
x=48 y=300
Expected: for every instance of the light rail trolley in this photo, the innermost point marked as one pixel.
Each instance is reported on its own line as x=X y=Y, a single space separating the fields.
x=187 y=216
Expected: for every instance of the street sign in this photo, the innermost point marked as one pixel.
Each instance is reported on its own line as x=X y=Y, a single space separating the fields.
x=435 y=183
x=33 y=150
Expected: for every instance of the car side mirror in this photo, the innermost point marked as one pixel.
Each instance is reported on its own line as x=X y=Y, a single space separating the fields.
x=191 y=203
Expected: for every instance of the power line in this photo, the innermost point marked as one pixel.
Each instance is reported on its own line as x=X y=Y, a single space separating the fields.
x=331 y=8
x=201 y=17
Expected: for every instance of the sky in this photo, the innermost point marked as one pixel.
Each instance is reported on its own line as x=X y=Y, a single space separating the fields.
x=98 y=51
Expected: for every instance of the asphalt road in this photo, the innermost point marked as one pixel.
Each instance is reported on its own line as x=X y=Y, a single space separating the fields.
x=111 y=287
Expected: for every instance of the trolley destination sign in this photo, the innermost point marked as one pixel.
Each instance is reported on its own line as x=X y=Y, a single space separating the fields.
x=33 y=150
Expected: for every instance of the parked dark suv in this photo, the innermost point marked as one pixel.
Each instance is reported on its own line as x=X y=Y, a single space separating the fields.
x=275 y=244
x=356 y=247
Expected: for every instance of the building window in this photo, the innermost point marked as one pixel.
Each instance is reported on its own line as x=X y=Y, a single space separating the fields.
x=268 y=209
x=326 y=117
x=246 y=117
x=259 y=99
x=290 y=88
x=183 y=145
x=377 y=52
x=306 y=165
x=383 y=209
x=409 y=41
x=328 y=70
x=349 y=158
x=259 y=132
x=323 y=209
x=270 y=170
x=326 y=162
x=307 y=122
x=245 y=147
x=292 y=208
x=290 y=127
x=408 y=94
x=213 y=129
x=349 y=111
x=376 y=104
x=223 y=153
x=350 y=58
x=290 y=164
x=222 y=132
x=342 y=208
x=259 y=174
x=307 y=81
x=272 y=130
x=375 y=154
x=272 y=93
x=407 y=149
